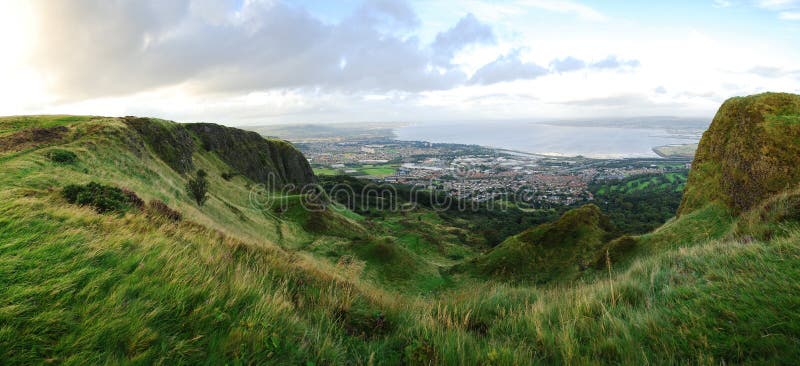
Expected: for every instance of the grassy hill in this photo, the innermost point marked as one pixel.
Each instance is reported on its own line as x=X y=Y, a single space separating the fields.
x=551 y=251
x=251 y=277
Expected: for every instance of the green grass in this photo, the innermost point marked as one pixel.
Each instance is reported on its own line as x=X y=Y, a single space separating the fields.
x=548 y=252
x=326 y=171
x=236 y=284
x=380 y=172
x=16 y=123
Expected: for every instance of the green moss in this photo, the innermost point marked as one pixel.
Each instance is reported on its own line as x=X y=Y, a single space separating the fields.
x=750 y=152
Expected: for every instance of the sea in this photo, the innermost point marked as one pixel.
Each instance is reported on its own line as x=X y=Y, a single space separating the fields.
x=552 y=138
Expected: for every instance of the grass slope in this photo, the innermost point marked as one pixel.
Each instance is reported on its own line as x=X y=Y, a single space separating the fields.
x=231 y=284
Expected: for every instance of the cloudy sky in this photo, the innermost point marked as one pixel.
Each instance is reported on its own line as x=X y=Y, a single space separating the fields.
x=264 y=61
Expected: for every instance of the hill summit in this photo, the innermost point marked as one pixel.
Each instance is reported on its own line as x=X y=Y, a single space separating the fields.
x=750 y=152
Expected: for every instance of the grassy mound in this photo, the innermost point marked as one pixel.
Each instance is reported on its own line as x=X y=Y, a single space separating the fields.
x=775 y=217
x=551 y=251
x=751 y=151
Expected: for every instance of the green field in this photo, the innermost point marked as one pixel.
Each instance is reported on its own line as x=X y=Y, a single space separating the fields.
x=667 y=181
x=378 y=171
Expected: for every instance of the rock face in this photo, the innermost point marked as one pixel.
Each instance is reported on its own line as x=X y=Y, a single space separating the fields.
x=170 y=141
x=254 y=156
x=268 y=161
x=750 y=152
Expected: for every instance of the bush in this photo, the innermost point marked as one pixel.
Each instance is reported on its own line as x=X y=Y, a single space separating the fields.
x=133 y=198
x=198 y=187
x=229 y=175
x=159 y=208
x=103 y=198
x=62 y=156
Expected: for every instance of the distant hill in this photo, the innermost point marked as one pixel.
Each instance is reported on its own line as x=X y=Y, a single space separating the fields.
x=328 y=132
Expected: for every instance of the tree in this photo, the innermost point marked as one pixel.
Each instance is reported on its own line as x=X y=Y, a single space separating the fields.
x=198 y=187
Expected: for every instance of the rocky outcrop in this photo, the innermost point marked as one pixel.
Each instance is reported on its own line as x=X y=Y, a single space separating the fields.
x=269 y=161
x=170 y=141
x=254 y=156
x=750 y=152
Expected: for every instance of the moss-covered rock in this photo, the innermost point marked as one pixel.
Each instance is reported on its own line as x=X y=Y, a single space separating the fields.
x=750 y=152
x=551 y=251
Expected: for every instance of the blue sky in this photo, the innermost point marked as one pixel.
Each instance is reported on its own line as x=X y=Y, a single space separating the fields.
x=270 y=61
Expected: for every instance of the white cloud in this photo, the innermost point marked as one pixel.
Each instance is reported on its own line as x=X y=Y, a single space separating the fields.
x=567 y=64
x=789 y=15
x=507 y=68
x=778 y=4
x=569 y=7
x=722 y=3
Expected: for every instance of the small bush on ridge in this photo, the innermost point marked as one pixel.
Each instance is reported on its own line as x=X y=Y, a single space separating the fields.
x=133 y=198
x=62 y=156
x=160 y=208
x=103 y=198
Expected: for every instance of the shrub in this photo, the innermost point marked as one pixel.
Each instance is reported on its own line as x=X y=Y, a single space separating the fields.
x=62 y=156
x=133 y=198
x=103 y=198
x=198 y=187
x=159 y=208
x=229 y=175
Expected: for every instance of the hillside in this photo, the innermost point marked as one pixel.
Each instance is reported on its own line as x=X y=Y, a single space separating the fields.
x=556 y=250
x=135 y=271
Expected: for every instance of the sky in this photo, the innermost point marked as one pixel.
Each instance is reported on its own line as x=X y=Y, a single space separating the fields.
x=255 y=62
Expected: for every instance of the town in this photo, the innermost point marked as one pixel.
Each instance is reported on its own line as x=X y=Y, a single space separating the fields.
x=478 y=173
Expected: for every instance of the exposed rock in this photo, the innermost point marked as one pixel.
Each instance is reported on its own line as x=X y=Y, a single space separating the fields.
x=254 y=156
x=269 y=161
